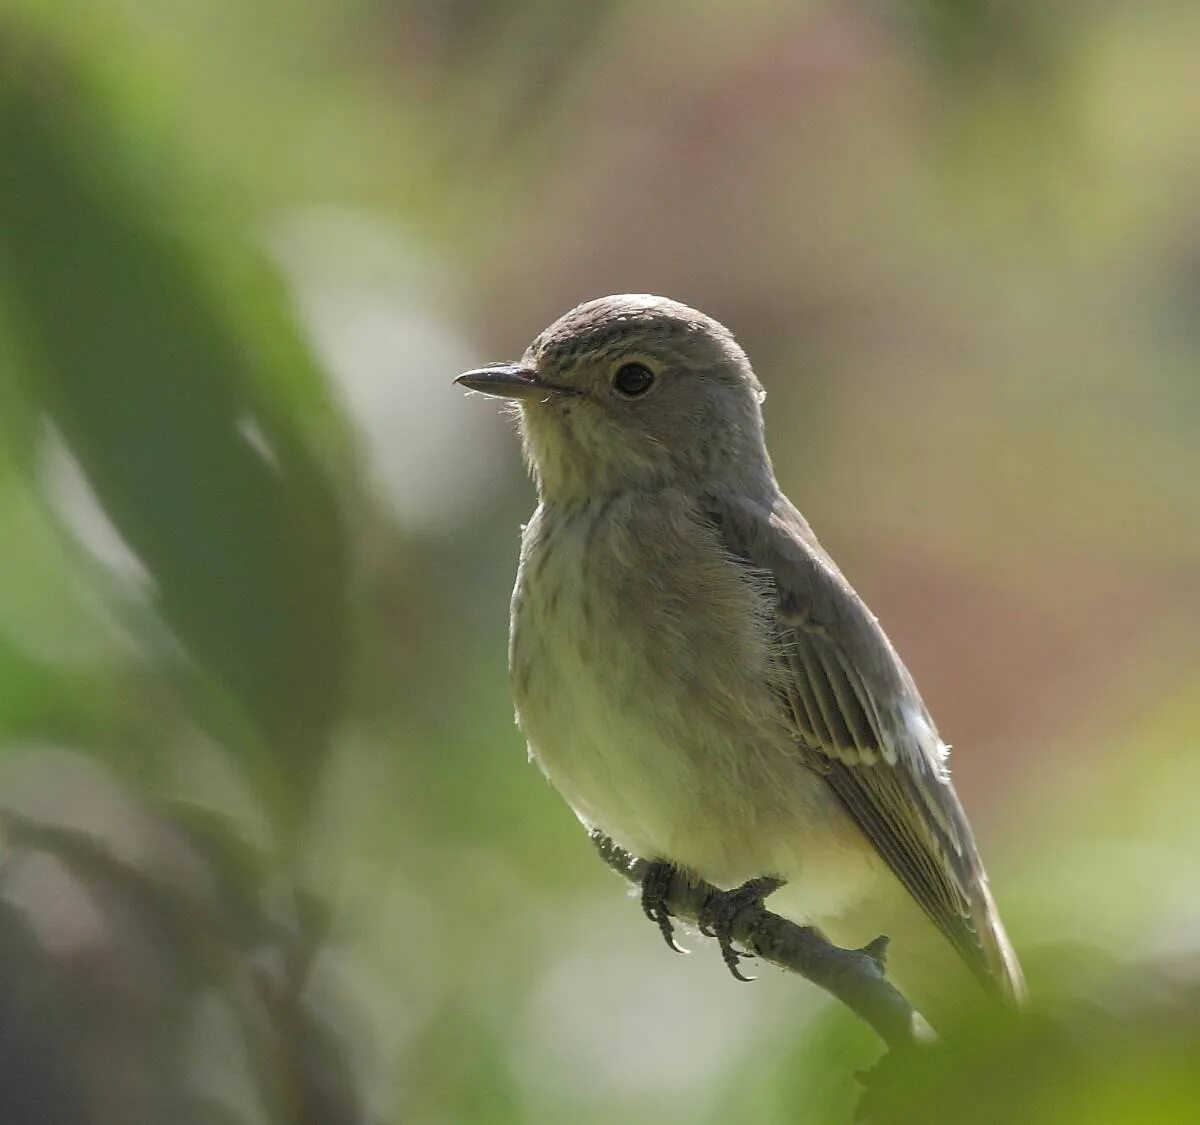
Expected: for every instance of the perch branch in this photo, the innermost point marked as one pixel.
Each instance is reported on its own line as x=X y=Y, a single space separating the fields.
x=853 y=976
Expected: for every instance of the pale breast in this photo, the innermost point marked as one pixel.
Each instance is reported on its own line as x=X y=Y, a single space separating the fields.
x=641 y=659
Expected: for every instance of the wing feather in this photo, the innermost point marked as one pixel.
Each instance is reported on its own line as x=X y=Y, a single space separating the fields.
x=861 y=724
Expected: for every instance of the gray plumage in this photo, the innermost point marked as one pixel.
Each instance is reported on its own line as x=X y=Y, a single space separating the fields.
x=692 y=671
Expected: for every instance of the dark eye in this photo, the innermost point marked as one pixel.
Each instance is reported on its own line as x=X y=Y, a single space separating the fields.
x=633 y=379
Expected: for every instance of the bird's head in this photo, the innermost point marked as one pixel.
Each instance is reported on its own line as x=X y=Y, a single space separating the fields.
x=633 y=391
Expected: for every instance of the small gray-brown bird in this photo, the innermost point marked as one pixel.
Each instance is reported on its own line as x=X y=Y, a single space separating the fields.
x=695 y=676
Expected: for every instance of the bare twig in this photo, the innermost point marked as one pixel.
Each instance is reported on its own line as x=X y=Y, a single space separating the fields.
x=853 y=976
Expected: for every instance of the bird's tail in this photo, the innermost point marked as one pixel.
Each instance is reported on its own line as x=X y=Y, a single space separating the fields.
x=997 y=949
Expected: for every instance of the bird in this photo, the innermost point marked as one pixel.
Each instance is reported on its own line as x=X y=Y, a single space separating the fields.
x=698 y=680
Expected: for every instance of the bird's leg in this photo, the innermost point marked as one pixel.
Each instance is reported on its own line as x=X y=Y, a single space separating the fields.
x=720 y=912
x=656 y=886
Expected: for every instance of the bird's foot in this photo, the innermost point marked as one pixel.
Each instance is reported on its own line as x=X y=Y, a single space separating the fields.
x=721 y=911
x=656 y=886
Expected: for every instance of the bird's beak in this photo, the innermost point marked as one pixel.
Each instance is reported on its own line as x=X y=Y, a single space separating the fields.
x=505 y=380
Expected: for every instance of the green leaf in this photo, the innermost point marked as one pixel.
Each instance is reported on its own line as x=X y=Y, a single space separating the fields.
x=200 y=469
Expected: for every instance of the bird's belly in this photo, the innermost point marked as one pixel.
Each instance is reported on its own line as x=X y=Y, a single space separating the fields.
x=709 y=800
x=609 y=754
x=659 y=728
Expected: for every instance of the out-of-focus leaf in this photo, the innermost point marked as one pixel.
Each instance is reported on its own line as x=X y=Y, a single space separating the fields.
x=168 y=417
x=140 y=979
x=1127 y=1065
x=965 y=36
x=37 y=697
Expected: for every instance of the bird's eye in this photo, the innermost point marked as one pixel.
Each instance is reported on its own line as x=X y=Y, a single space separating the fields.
x=633 y=379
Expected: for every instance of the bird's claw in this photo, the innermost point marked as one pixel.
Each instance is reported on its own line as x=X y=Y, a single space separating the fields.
x=656 y=886
x=721 y=911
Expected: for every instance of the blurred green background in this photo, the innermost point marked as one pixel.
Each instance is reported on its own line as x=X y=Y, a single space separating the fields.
x=271 y=848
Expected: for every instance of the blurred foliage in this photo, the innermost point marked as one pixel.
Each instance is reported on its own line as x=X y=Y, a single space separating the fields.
x=205 y=479
x=271 y=850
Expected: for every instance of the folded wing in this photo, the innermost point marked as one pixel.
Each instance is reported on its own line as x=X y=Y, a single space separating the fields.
x=860 y=722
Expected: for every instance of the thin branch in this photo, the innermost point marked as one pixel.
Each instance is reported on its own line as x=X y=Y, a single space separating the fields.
x=853 y=976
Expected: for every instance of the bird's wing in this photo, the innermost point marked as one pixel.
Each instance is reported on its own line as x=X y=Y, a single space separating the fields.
x=860 y=722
